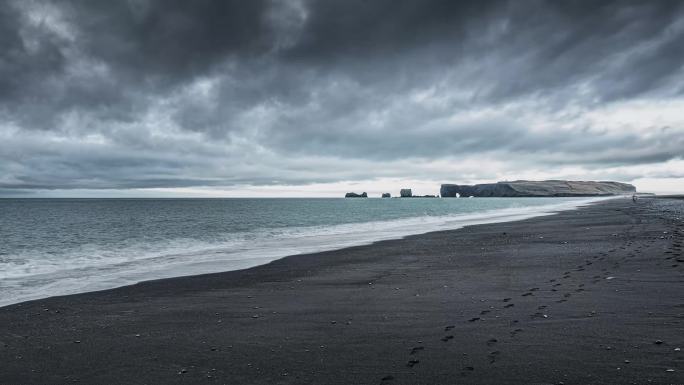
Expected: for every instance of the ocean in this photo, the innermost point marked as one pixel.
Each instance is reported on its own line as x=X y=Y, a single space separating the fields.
x=63 y=246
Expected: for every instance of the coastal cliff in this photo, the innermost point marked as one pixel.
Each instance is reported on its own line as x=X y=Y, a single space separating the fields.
x=547 y=188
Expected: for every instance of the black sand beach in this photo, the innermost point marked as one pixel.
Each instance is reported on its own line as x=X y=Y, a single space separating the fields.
x=593 y=296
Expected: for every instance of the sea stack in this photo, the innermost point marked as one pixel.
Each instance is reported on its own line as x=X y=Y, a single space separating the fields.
x=355 y=195
x=405 y=193
x=386 y=195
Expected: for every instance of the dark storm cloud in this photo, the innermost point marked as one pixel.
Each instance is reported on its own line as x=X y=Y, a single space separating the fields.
x=146 y=46
x=151 y=93
x=522 y=47
x=170 y=39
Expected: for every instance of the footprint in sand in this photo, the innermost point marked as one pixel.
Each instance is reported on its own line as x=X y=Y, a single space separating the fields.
x=447 y=338
x=416 y=350
x=483 y=312
x=527 y=294
x=466 y=369
x=387 y=378
x=412 y=363
x=493 y=355
x=474 y=319
x=492 y=341
x=506 y=299
x=446 y=329
x=509 y=305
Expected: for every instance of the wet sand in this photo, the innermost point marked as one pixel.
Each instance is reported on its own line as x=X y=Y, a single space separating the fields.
x=594 y=296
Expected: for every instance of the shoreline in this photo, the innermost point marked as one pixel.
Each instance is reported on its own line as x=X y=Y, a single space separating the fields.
x=569 y=297
x=112 y=277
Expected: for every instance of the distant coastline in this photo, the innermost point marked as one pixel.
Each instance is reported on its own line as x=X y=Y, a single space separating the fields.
x=521 y=188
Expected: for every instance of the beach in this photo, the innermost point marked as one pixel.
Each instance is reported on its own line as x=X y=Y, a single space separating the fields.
x=593 y=295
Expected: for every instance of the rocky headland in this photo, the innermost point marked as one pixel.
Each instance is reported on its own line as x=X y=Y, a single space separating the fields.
x=547 y=188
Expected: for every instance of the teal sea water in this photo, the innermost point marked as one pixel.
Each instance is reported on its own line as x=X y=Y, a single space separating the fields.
x=63 y=246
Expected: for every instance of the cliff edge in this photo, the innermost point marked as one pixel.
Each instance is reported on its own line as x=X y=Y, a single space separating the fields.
x=546 y=188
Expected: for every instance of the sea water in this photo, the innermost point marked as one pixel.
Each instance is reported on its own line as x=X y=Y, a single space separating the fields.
x=63 y=246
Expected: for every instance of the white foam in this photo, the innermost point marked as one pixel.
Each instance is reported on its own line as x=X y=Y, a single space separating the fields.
x=93 y=268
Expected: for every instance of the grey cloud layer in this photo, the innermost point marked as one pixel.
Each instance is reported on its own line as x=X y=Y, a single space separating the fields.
x=107 y=94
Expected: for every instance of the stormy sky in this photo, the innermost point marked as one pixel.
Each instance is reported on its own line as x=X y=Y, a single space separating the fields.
x=316 y=98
